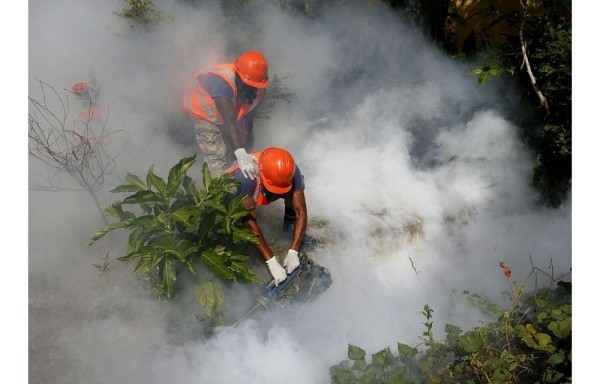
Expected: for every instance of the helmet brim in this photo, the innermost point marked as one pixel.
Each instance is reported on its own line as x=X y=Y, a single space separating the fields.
x=273 y=188
x=255 y=84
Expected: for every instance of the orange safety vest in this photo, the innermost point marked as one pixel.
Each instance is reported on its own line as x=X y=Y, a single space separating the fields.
x=198 y=103
x=257 y=196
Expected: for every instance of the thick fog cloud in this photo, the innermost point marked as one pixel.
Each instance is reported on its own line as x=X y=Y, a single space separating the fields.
x=417 y=171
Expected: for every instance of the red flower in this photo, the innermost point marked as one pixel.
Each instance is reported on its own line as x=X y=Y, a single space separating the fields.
x=80 y=88
x=507 y=272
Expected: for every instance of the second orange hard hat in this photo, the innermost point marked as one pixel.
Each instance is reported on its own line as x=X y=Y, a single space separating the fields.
x=276 y=168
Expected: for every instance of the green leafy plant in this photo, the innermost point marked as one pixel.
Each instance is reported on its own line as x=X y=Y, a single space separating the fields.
x=530 y=342
x=179 y=226
x=142 y=13
x=492 y=66
x=105 y=268
x=478 y=300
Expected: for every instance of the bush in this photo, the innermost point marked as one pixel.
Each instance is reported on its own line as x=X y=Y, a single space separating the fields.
x=530 y=343
x=179 y=227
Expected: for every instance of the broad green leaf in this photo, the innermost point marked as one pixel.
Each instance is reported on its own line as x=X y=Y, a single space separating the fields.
x=191 y=267
x=205 y=227
x=244 y=235
x=398 y=374
x=240 y=269
x=130 y=256
x=178 y=173
x=471 y=342
x=143 y=265
x=141 y=197
x=344 y=376
x=216 y=205
x=557 y=358
x=174 y=251
x=135 y=238
x=215 y=263
x=553 y=376
x=126 y=188
x=238 y=257
x=110 y=227
x=158 y=183
x=355 y=353
x=115 y=210
x=492 y=363
x=425 y=365
x=219 y=298
x=236 y=204
x=169 y=276
x=205 y=294
x=188 y=251
x=501 y=374
x=187 y=215
x=206 y=177
x=155 y=260
x=406 y=351
x=359 y=365
x=192 y=190
x=383 y=358
x=561 y=329
x=161 y=218
x=159 y=208
x=143 y=222
x=371 y=376
x=133 y=179
x=543 y=340
x=449 y=328
x=557 y=314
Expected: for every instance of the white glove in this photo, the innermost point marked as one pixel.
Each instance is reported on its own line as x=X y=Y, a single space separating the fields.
x=276 y=270
x=247 y=163
x=291 y=261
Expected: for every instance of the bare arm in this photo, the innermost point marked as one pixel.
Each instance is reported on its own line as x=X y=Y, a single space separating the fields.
x=251 y=221
x=246 y=128
x=299 y=205
x=228 y=113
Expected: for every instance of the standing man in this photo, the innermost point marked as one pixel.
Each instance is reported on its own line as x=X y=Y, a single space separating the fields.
x=223 y=101
x=279 y=178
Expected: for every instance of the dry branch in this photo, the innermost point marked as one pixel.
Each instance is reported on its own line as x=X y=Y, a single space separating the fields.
x=78 y=151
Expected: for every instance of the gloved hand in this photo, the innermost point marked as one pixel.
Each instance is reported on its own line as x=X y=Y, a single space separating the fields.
x=291 y=261
x=276 y=270
x=247 y=163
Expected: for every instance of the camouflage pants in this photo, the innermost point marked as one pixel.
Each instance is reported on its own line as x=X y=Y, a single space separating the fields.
x=213 y=146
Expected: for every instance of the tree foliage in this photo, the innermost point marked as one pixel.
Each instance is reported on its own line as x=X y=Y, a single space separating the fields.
x=179 y=226
x=530 y=40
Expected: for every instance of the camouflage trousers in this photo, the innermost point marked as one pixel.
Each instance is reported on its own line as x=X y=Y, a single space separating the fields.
x=213 y=146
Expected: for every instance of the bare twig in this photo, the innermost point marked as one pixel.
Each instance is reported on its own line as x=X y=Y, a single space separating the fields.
x=538 y=92
x=79 y=151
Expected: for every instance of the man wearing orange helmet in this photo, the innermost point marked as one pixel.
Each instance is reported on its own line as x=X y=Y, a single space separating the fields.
x=279 y=178
x=223 y=101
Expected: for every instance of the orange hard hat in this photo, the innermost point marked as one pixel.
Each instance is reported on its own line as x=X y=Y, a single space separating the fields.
x=276 y=168
x=253 y=69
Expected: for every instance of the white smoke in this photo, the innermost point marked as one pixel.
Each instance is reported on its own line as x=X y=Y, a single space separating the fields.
x=417 y=171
